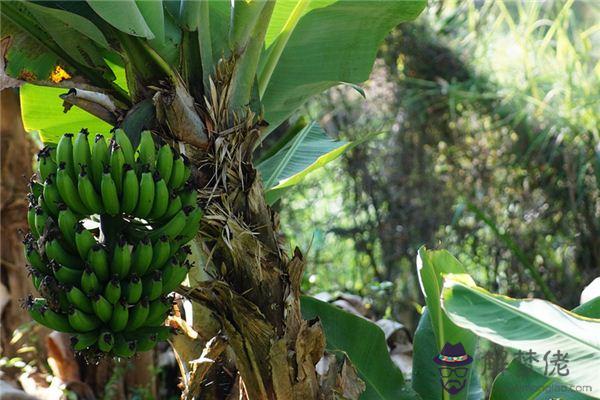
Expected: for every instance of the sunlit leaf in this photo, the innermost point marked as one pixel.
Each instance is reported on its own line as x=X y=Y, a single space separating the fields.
x=50 y=120
x=425 y=373
x=536 y=386
x=307 y=151
x=330 y=43
x=432 y=266
x=530 y=325
x=123 y=15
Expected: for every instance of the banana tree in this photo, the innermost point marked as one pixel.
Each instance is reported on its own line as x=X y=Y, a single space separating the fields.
x=213 y=78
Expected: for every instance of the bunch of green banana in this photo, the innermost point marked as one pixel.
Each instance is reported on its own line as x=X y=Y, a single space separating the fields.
x=107 y=244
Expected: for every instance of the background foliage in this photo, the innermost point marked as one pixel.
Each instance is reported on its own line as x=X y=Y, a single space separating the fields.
x=489 y=114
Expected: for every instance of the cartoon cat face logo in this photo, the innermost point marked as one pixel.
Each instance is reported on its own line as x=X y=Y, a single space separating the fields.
x=453 y=361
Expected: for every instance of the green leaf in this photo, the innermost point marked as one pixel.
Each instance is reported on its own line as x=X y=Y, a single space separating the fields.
x=189 y=14
x=365 y=345
x=432 y=266
x=49 y=120
x=425 y=373
x=123 y=15
x=154 y=16
x=71 y=21
x=75 y=35
x=307 y=151
x=529 y=325
x=30 y=53
x=535 y=385
x=331 y=43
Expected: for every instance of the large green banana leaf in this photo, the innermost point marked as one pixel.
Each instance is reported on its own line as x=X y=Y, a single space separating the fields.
x=309 y=45
x=425 y=374
x=305 y=152
x=432 y=266
x=536 y=386
x=530 y=325
x=364 y=344
x=42 y=111
x=324 y=43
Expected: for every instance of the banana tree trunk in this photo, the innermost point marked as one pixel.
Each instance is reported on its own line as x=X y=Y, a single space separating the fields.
x=252 y=341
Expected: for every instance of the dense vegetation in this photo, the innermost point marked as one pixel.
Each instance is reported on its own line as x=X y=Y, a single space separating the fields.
x=458 y=224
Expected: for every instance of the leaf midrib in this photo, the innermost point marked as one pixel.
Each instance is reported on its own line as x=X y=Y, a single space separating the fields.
x=526 y=316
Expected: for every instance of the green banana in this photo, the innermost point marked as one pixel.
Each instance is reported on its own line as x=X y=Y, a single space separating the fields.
x=138 y=315
x=173 y=208
x=106 y=342
x=146 y=150
x=35 y=259
x=90 y=199
x=42 y=203
x=123 y=140
x=65 y=275
x=133 y=290
x=38 y=310
x=172 y=228
x=152 y=285
x=35 y=187
x=120 y=316
x=132 y=190
x=35 y=308
x=50 y=194
x=102 y=308
x=82 y=322
x=61 y=301
x=192 y=225
x=161 y=197
x=56 y=321
x=163 y=332
x=89 y=281
x=64 y=154
x=112 y=291
x=146 y=197
x=81 y=341
x=173 y=274
x=31 y=220
x=98 y=261
x=164 y=162
x=177 y=172
x=187 y=171
x=160 y=253
x=46 y=165
x=36 y=277
x=79 y=299
x=100 y=158
x=55 y=251
x=124 y=348
x=117 y=161
x=141 y=257
x=146 y=342
x=183 y=253
x=81 y=150
x=40 y=220
x=67 y=221
x=84 y=240
x=158 y=311
x=189 y=195
x=108 y=188
x=121 y=260
x=68 y=190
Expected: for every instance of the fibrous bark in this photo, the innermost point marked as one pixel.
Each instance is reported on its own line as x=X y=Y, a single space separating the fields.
x=252 y=289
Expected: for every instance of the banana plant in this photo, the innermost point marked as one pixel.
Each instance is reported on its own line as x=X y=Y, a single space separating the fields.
x=213 y=79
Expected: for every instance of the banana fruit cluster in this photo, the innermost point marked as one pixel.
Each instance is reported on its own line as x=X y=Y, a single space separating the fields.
x=107 y=241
